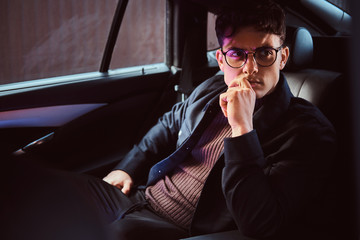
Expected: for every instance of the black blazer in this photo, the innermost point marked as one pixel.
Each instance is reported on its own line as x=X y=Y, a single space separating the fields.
x=268 y=183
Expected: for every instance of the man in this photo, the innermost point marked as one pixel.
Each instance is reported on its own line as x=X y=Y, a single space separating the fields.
x=240 y=153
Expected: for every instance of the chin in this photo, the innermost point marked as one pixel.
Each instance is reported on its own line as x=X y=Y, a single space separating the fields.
x=259 y=94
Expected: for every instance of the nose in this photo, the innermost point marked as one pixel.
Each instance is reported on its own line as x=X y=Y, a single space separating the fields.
x=250 y=66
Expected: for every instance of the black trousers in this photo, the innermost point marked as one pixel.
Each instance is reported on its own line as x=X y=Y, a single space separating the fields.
x=39 y=203
x=130 y=217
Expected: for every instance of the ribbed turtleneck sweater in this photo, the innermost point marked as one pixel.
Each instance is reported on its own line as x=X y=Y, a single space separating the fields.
x=175 y=196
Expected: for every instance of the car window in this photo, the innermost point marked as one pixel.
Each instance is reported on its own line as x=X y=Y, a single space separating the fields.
x=141 y=38
x=212 y=42
x=42 y=39
x=45 y=38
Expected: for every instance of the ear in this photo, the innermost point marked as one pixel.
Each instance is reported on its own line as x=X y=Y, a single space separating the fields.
x=285 y=52
x=220 y=59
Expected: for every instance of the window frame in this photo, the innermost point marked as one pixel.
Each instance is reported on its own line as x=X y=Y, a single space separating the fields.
x=113 y=35
x=104 y=72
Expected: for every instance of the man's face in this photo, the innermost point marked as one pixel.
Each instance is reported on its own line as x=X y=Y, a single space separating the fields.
x=262 y=79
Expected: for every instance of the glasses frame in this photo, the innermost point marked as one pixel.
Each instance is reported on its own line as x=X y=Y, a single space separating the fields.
x=253 y=53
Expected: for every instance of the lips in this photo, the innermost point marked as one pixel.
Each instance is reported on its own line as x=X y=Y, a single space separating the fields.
x=253 y=82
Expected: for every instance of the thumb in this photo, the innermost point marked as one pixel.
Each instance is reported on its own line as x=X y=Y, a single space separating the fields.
x=126 y=187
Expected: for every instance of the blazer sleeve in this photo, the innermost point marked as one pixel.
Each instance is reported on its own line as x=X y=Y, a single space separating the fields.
x=263 y=202
x=157 y=143
x=161 y=140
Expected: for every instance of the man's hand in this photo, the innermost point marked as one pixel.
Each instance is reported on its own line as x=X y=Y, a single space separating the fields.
x=238 y=104
x=120 y=179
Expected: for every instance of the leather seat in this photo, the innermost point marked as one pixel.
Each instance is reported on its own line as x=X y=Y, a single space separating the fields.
x=305 y=82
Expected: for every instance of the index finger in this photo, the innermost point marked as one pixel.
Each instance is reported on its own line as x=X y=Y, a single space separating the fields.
x=244 y=83
x=240 y=82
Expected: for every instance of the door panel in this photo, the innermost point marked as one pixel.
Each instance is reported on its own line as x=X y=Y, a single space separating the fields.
x=95 y=121
x=53 y=116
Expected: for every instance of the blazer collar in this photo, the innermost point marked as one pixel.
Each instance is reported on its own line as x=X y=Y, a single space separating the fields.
x=274 y=106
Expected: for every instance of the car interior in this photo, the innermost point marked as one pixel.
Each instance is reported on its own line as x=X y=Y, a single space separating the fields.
x=88 y=123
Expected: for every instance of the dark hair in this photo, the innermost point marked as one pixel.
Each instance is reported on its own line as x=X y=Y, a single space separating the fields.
x=263 y=15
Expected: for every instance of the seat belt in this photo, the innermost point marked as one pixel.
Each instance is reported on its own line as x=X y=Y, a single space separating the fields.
x=194 y=58
x=185 y=86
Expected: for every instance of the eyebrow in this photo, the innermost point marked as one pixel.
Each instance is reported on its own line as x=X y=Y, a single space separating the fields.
x=242 y=49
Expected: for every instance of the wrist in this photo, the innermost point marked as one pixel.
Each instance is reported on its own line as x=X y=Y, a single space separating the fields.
x=240 y=130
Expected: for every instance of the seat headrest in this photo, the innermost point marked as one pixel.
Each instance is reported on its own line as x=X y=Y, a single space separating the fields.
x=300 y=43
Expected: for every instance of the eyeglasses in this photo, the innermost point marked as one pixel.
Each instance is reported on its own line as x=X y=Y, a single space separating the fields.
x=264 y=56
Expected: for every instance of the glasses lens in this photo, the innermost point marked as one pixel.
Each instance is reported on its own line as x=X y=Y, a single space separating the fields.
x=265 y=56
x=236 y=58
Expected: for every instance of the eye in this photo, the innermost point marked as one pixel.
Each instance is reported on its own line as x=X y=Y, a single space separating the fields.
x=236 y=54
x=265 y=53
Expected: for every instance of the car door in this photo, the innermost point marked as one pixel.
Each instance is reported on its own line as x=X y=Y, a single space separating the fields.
x=85 y=120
